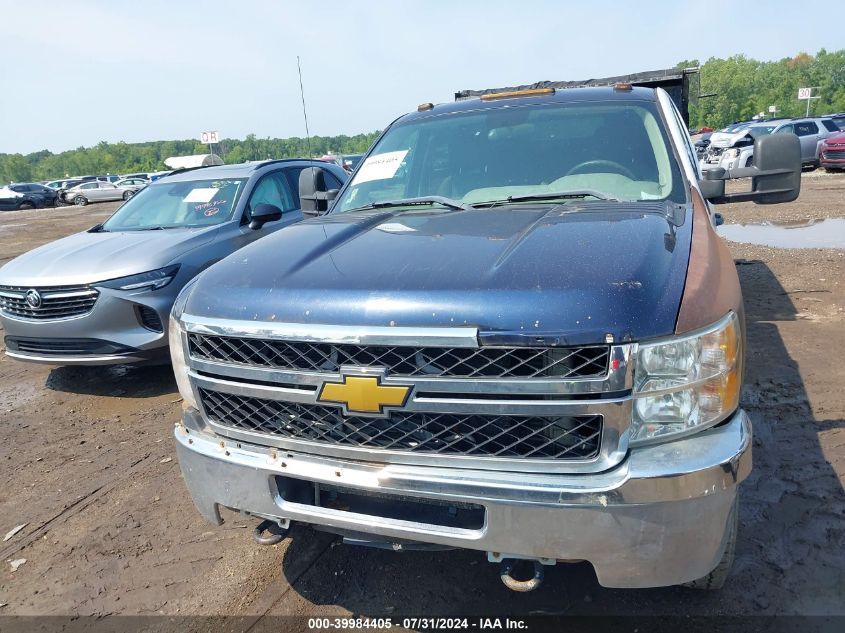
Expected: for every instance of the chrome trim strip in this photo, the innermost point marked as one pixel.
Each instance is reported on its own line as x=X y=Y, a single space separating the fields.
x=321 y=333
x=84 y=294
x=64 y=360
x=443 y=404
x=29 y=320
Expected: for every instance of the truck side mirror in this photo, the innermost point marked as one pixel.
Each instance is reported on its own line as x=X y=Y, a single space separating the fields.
x=263 y=213
x=775 y=173
x=314 y=195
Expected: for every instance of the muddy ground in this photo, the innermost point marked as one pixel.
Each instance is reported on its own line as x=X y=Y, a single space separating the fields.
x=87 y=463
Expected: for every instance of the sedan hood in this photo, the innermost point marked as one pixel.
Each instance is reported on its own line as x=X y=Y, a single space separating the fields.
x=576 y=273
x=86 y=258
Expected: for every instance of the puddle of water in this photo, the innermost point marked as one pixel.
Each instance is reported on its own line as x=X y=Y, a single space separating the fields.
x=805 y=234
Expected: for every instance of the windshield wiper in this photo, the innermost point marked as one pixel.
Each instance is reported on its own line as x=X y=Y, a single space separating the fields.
x=578 y=194
x=408 y=202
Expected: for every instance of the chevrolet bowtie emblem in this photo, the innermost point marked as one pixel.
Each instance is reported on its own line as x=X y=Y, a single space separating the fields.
x=364 y=394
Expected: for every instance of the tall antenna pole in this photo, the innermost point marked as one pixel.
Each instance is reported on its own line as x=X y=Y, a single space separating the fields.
x=304 y=113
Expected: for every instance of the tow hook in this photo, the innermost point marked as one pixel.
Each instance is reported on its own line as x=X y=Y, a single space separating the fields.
x=506 y=571
x=274 y=533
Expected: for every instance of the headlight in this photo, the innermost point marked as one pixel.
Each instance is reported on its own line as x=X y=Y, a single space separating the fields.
x=732 y=153
x=687 y=383
x=152 y=280
x=177 y=348
x=180 y=366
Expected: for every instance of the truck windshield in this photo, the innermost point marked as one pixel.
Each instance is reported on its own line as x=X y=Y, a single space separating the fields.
x=170 y=205
x=618 y=150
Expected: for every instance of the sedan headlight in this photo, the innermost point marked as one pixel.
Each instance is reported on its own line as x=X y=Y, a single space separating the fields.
x=151 y=280
x=687 y=383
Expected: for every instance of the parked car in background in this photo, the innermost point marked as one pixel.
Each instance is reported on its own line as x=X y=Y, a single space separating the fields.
x=350 y=161
x=103 y=296
x=832 y=152
x=14 y=201
x=62 y=184
x=734 y=150
x=91 y=191
x=702 y=143
x=811 y=132
x=130 y=186
x=839 y=120
x=143 y=175
x=26 y=195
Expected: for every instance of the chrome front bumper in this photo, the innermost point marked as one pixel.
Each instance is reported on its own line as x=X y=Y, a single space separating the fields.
x=658 y=518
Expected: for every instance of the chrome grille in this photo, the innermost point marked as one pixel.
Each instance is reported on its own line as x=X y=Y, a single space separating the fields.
x=512 y=436
x=483 y=362
x=57 y=302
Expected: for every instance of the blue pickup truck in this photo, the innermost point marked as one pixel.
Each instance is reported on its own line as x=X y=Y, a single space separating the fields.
x=513 y=330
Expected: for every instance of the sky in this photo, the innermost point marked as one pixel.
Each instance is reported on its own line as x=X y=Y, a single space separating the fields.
x=76 y=73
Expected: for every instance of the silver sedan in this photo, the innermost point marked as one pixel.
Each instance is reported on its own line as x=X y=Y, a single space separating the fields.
x=94 y=191
x=131 y=186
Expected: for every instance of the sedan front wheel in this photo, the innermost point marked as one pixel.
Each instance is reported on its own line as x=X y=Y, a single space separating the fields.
x=128 y=194
x=80 y=201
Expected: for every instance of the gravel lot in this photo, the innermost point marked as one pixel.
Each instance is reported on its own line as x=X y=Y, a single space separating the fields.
x=88 y=465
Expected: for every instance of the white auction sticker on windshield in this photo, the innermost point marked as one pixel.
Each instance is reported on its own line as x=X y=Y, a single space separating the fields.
x=380 y=167
x=201 y=195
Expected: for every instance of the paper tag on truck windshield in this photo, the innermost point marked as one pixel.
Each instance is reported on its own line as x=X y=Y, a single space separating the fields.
x=201 y=195
x=380 y=167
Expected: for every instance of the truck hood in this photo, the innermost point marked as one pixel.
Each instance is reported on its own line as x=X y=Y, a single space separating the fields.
x=575 y=273
x=85 y=258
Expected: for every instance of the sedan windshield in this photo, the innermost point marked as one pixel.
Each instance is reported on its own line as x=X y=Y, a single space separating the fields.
x=168 y=205
x=520 y=154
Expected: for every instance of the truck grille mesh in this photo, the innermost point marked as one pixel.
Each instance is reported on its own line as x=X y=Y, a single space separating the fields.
x=560 y=437
x=442 y=362
x=57 y=302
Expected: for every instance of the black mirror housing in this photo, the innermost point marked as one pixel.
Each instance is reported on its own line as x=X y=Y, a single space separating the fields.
x=775 y=173
x=263 y=213
x=314 y=194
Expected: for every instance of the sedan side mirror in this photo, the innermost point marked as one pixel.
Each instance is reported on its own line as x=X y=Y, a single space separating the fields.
x=314 y=195
x=262 y=214
x=775 y=173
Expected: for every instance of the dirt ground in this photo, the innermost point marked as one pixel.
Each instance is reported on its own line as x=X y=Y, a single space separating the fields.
x=87 y=464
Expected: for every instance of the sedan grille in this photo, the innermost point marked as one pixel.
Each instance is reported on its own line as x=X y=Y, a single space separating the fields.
x=501 y=436
x=55 y=302
x=834 y=154
x=437 y=362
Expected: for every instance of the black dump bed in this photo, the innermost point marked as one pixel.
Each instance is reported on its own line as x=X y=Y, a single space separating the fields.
x=675 y=81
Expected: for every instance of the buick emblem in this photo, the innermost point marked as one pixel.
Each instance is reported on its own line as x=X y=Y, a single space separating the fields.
x=33 y=299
